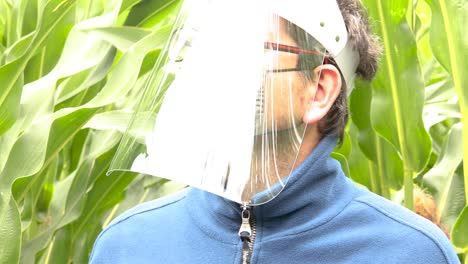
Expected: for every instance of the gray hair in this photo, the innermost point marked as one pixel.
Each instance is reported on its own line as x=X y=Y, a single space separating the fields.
x=361 y=36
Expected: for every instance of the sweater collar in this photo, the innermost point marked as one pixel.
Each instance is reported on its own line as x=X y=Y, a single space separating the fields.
x=316 y=191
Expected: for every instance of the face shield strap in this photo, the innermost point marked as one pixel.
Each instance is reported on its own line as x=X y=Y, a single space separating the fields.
x=347 y=61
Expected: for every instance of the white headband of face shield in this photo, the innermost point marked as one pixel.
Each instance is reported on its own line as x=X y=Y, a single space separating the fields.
x=324 y=21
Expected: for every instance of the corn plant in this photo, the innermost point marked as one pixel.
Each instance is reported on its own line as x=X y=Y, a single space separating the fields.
x=72 y=71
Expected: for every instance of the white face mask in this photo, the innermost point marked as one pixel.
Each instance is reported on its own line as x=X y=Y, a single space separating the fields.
x=229 y=93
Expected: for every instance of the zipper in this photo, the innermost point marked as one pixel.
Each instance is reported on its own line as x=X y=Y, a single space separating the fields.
x=247 y=233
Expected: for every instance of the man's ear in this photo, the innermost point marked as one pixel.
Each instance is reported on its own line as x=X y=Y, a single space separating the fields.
x=326 y=88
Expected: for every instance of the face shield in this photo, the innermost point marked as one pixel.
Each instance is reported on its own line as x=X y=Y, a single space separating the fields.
x=225 y=102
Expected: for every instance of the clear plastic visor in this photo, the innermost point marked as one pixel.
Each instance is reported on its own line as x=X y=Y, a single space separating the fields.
x=226 y=102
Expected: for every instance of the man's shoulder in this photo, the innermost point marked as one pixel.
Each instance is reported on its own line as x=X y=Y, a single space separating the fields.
x=129 y=234
x=387 y=210
x=395 y=224
x=144 y=209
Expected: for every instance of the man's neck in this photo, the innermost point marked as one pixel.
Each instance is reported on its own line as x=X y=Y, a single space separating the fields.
x=275 y=156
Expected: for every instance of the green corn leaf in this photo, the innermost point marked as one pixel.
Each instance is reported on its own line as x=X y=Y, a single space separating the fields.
x=11 y=73
x=398 y=88
x=441 y=101
x=361 y=169
x=39 y=131
x=119 y=121
x=7 y=141
x=86 y=9
x=98 y=143
x=4 y=16
x=35 y=202
x=76 y=193
x=449 y=43
x=459 y=231
x=73 y=154
x=81 y=249
x=128 y=4
x=9 y=99
x=440 y=87
x=18 y=49
x=70 y=123
x=31 y=247
x=389 y=166
x=35 y=104
x=59 y=250
x=443 y=181
x=46 y=192
x=62 y=131
x=107 y=191
x=150 y=13
x=125 y=74
x=398 y=97
x=30 y=17
x=121 y=37
x=23 y=161
x=62 y=212
x=44 y=138
x=341 y=153
x=46 y=57
x=67 y=64
x=2 y=51
x=15 y=21
x=10 y=230
x=343 y=161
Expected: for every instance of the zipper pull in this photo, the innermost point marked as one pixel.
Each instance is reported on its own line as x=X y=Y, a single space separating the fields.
x=245 y=230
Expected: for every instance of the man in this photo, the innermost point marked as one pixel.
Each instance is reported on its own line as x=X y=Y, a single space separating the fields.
x=286 y=200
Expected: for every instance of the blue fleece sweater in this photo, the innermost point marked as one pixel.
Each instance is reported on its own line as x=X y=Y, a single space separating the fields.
x=320 y=217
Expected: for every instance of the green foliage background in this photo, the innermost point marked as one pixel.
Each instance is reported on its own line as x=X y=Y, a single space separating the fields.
x=70 y=73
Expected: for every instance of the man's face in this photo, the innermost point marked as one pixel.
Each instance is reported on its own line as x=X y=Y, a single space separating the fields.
x=286 y=92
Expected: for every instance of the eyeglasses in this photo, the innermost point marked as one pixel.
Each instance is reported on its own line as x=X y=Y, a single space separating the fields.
x=270 y=46
x=294 y=50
